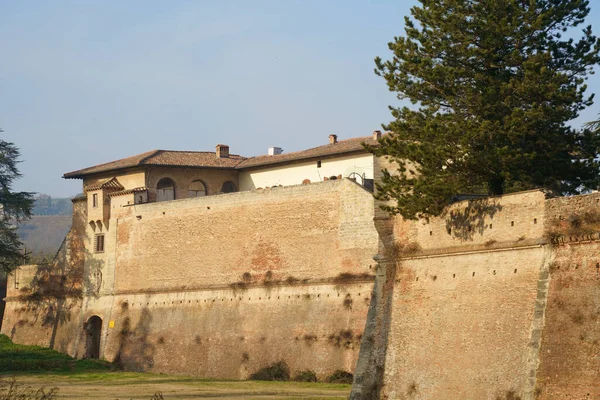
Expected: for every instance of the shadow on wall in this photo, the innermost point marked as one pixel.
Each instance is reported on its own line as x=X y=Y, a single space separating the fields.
x=135 y=352
x=3 y=278
x=464 y=223
x=58 y=288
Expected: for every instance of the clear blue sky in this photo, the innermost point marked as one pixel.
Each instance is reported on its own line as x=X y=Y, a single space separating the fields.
x=85 y=82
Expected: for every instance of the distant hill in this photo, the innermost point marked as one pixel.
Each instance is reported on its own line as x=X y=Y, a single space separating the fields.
x=43 y=234
x=46 y=205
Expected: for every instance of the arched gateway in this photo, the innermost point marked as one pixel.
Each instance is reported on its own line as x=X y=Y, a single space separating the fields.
x=93 y=330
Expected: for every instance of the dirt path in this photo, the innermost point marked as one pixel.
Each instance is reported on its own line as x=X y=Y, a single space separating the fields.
x=125 y=386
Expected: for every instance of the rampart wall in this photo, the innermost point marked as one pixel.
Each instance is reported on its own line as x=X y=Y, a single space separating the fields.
x=301 y=232
x=219 y=286
x=496 y=299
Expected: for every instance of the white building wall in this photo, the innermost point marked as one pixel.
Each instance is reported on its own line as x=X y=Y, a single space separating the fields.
x=293 y=174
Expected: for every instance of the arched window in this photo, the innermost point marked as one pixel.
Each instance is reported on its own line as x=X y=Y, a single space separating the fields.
x=228 y=187
x=197 y=189
x=165 y=190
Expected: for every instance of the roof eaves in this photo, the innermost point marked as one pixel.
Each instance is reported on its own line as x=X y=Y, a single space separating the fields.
x=269 y=162
x=71 y=175
x=98 y=169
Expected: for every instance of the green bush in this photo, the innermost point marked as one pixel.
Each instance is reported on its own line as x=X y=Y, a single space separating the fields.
x=276 y=372
x=306 y=376
x=340 y=376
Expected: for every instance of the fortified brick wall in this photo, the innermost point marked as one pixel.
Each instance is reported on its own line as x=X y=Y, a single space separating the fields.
x=570 y=347
x=497 y=299
x=224 y=285
x=488 y=303
x=295 y=233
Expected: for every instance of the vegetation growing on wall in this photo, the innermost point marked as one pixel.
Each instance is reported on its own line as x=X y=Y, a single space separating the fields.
x=347 y=277
x=345 y=338
x=573 y=225
x=404 y=249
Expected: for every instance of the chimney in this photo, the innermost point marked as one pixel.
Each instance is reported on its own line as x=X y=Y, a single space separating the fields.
x=376 y=135
x=332 y=139
x=273 y=151
x=222 y=151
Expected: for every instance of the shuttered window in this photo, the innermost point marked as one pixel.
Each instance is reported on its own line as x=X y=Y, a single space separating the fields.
x=99 y=244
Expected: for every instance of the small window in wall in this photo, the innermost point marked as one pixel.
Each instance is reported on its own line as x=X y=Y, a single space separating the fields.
x=197 y=189
x=369 y=184
x=318 y=164
x=95 y=200
x=99 y=243
x=165 y=190
x=228 y=187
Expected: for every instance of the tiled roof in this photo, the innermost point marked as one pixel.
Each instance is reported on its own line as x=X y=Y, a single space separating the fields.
x=341 y=147
x=173 y=158
x=204 y=159
x=128 y=191
x=111 y=183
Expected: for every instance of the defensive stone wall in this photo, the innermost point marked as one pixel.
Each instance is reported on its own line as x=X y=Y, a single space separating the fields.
x=570 y=344
x=496 y=299
x=309 y=232
x=219 y=286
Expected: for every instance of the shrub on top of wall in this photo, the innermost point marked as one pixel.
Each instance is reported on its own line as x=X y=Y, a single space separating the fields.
x=276 y=372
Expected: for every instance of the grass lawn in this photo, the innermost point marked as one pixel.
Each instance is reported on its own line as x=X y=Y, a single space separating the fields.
x=38 y=367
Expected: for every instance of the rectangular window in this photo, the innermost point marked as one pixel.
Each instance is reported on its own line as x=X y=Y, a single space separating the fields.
x=95 y=200
x=99 y=243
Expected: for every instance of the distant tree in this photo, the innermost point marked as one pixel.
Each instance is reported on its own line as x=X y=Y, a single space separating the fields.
x=494 y=85
x=14 y=206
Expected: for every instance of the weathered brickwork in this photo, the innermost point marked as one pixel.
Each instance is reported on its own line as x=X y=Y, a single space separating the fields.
x=304 y=232
x=496 y=299
x=489 y=301
x=220 y=286
x=569 y=356
x=461 y=324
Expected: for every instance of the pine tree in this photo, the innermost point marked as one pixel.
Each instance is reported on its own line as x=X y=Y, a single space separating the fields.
x=14 y=207
x=493 y=84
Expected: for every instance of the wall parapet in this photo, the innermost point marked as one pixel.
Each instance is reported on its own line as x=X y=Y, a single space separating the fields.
x=246 y=196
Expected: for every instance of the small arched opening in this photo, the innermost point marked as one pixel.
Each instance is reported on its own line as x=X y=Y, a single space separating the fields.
x=197 y=189
x=93 y=331
x=228 y=187
x=165 y=190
